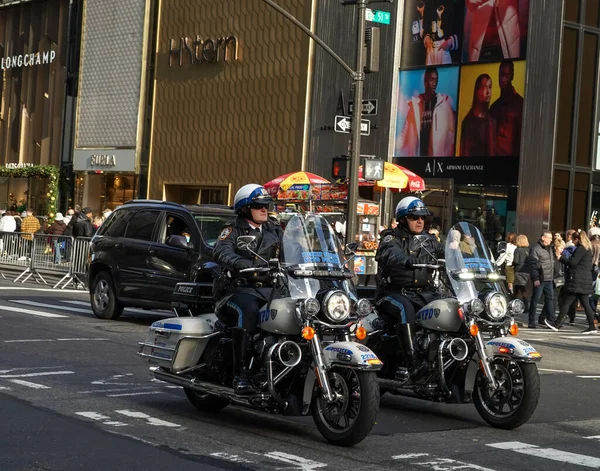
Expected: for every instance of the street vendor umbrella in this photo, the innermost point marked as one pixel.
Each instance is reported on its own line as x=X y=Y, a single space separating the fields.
x=393 y=177
x=415 y=182
x=301 y=182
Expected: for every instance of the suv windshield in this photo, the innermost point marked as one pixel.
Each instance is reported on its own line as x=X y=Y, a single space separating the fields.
x=211 y=225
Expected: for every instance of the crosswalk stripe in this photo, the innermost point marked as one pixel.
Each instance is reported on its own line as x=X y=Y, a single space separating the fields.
x=61 y=308
x=29 y=311
x=549 y=453
x=29 y=384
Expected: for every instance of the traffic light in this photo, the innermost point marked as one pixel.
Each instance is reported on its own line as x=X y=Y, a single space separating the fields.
x=339 y=168
x=372 y=49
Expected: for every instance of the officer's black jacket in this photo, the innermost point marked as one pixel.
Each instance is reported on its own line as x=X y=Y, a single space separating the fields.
x=227 y=254
x=395 y=249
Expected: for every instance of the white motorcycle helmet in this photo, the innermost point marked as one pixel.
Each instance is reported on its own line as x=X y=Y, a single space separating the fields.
x=411 y=205
x=250 y=194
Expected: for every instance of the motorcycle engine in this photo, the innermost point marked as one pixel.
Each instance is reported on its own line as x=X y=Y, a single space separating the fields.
x=427 y=344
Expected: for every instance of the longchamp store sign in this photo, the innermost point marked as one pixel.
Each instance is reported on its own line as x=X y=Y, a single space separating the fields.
x=27 y=60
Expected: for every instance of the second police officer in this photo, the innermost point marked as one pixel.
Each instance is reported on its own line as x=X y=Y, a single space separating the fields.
x=403 y=289
x=240 y=295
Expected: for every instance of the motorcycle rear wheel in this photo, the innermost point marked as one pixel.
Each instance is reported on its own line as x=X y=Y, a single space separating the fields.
x=205 y=402
x=348 y=420
x=516 y=398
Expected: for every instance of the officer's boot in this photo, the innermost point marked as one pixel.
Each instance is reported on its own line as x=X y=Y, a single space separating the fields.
x=406 y=333
x=242 y=342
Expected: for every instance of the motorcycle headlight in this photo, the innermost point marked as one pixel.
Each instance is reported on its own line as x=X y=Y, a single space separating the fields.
x=363 y=307
x=496 y=305
x=337 y=306
x=476 y=306
x=516 y=307
x=311 y=307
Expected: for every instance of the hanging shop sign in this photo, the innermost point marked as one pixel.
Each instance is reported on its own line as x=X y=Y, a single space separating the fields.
x=188 y=50
x=112 y=160
x=27 y=60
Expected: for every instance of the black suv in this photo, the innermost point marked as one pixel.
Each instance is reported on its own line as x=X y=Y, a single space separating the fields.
x=146 y=247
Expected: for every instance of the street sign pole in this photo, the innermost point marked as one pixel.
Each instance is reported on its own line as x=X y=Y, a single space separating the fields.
x=359 y=78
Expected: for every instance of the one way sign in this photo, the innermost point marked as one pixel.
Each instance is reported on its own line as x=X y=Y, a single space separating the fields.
x=369 y=107
x=344 y=124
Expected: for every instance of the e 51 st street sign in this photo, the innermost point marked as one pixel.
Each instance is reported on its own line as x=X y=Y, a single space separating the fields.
x=344 y=124
x=369 y=107
x=377 y=16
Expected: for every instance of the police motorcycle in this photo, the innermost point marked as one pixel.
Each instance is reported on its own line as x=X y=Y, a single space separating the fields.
x=305 y=358
x=465 y=339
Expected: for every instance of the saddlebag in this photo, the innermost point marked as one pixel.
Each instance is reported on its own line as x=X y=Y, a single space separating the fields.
x=178 y=343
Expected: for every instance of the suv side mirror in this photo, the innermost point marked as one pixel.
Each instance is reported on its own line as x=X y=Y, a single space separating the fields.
x=179 y=241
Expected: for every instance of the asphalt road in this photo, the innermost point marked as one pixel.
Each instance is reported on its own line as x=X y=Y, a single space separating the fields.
x=74 y=395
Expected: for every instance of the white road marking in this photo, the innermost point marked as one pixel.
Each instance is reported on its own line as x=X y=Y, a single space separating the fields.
x=95 y=391
x=29 y=340
x=408 y=456
x=113 y=380
x=33 y=368
x=30 y=375
x=230 y=457
x=589 y=377
x=151 y=420
x=97 y=416
x=4 y=388
x=77 y=291
x=29 y=384
x=127 y=309
x=582 y=337
x=56 y=340
x=549 y=454
x=554 y=371
x=30 y=311
x=447 y=464
x=82 y=339
x=298 y=461
x=60 y=308
x=593 y=437
x=135 y=394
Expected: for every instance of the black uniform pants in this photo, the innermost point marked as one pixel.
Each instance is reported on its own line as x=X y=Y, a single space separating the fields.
x=241 y=310
x=396 y=308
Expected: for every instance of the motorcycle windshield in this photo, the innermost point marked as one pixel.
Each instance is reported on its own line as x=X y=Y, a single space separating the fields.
x=469 y=263
x=313 y=256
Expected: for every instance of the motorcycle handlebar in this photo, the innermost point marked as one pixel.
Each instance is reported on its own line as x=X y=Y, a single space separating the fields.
x=255 y=270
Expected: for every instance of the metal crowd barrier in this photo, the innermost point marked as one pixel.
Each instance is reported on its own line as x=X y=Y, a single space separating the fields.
x=48 y=253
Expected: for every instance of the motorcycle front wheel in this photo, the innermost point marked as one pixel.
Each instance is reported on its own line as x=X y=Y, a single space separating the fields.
x=515 y=399
x=349 y=419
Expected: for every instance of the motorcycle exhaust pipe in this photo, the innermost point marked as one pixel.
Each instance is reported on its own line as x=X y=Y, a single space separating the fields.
x=289 y=353
x=458 y=349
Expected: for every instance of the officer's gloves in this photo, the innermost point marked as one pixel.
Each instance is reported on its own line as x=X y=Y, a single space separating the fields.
x=243 y=263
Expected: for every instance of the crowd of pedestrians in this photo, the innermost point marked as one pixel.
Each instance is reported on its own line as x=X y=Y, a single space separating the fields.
x=565 y=271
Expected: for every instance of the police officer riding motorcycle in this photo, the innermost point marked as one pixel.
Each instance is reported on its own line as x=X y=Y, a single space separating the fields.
x=240 y=294
x=404 y=288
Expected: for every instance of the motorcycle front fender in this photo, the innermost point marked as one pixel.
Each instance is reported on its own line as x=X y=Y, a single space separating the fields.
x=500 y=347
x=351 y=355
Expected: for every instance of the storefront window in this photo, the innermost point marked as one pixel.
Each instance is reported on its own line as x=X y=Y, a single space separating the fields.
x=587 y=100
x=591 y=13
x=18 y=194
x=572 y=8
x=104 y=190
x=566 y=97
x=580 y=200
x=560 y=193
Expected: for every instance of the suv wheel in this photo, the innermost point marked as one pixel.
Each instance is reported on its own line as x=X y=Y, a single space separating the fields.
x=103 y=297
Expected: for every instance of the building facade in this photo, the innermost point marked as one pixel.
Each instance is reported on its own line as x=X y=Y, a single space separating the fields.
x=34 y=44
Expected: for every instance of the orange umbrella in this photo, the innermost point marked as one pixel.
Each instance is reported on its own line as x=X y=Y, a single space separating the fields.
x=415 y=182
x=393 y=177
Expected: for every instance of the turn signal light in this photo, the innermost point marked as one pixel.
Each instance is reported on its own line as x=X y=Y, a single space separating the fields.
x=308 y=333
x=505 y=350
x=361 y=333
x=474 y=330
x=514 y=329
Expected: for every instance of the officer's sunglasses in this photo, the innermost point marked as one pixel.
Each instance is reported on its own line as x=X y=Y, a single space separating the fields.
x=259 y=206
x=412 y=217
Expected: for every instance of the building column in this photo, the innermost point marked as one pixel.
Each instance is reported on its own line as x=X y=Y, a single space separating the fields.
x=539 y=118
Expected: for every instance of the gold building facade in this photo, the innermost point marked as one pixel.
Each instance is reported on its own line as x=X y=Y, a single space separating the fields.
x=230 y=98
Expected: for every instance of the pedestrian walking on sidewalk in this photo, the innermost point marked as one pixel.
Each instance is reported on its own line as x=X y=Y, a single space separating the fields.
x=579 y=285
x=542 y=275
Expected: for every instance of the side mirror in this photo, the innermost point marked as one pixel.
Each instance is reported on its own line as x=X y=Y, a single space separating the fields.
x=351 y=248
x=179 y=241
x=246 y=242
